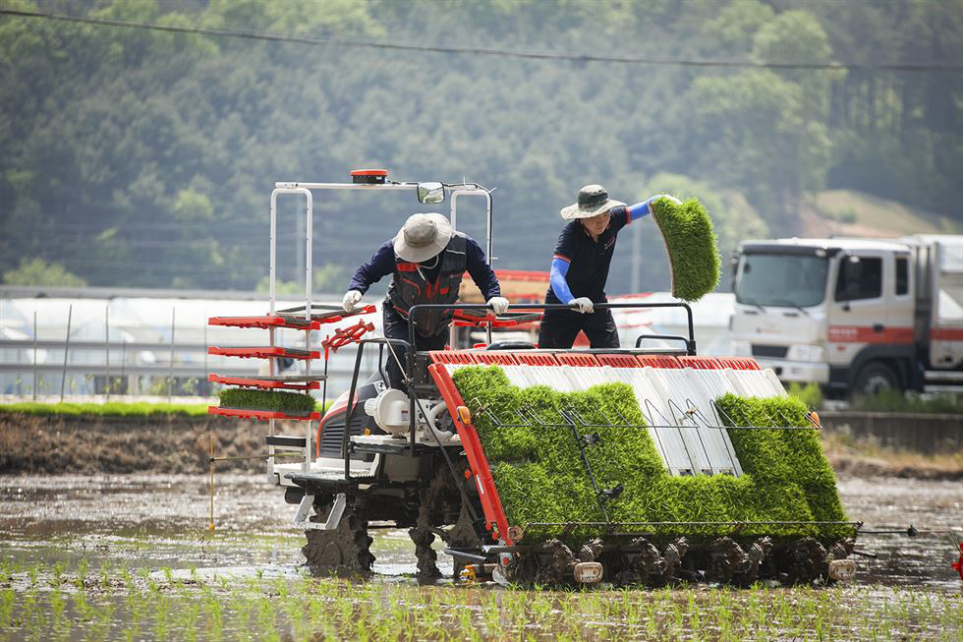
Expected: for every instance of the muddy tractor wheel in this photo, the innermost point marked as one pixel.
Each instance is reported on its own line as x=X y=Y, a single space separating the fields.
x=807 y=561
x=343 y=551
x=437 y=505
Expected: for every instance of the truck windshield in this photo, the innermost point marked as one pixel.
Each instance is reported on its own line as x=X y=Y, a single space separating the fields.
x=785 y=280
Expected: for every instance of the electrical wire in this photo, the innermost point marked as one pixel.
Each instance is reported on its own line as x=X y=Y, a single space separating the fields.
x=483 y=51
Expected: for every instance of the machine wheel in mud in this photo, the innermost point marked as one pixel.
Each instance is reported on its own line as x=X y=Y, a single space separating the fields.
x=343 y=551
x=441 y=503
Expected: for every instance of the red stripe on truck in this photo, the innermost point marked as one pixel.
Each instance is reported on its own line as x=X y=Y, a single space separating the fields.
x=867 y=334
x=947 y=334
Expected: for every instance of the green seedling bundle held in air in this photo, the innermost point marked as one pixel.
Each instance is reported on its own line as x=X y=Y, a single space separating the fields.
x=694 y=259
x=541 y=478
x=270 y=400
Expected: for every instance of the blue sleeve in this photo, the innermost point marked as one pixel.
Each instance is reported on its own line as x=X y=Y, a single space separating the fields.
x=557 y=279
x=381 y=264
x=480 y=271
x=639 y=210
x=626 y=214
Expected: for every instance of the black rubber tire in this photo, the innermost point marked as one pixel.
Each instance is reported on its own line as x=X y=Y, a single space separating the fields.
x=874 y=377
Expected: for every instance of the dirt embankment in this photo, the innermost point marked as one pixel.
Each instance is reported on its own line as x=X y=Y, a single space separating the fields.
x=108 y=445
x=91 y=445
x=894 y=466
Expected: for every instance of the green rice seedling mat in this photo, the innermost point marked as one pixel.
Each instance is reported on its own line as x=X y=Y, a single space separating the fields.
x=271 y=400
x=694 y=259
x=540 y=476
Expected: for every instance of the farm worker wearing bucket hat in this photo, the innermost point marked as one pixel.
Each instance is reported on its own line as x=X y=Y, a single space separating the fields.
x=580 y=267
x=426 y=260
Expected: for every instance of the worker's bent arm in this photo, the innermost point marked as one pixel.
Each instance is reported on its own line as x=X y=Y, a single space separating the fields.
x=639 y=210
x=381 y=264
x=557 y=279
x=480 y=271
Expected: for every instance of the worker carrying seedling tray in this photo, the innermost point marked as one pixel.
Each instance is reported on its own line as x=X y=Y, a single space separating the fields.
x=580 y=267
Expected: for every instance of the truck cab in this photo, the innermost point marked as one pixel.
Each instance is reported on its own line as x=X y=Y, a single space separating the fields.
x=854 y=315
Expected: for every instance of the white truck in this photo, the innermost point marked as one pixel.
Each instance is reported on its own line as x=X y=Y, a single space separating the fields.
x=854 y=315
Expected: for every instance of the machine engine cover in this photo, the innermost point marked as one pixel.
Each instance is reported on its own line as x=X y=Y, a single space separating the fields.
x=390 y=409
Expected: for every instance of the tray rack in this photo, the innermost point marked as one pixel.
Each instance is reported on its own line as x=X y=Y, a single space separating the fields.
x=297 y=318
x=477 y=318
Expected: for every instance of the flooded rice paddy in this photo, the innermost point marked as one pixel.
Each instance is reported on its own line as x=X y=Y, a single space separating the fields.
x=132 y=558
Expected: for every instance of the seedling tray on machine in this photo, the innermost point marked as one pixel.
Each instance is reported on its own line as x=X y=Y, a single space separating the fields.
x=323 y=313
x=277 y=382
x=247 y=413
x=265 y=352
x=292 y=318
x=477 y=317
x=266 y=322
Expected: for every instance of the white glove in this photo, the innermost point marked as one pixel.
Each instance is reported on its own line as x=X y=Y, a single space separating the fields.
x=352 y=297
x=498 y=304
x=582 y=304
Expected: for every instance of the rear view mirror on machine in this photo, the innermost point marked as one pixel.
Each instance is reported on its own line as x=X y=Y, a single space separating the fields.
x=431 y=193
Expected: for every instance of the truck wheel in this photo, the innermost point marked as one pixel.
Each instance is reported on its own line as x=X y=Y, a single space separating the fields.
x=874 y=377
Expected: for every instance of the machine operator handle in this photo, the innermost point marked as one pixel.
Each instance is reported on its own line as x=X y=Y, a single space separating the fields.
x=690 y=343
x=663 y=337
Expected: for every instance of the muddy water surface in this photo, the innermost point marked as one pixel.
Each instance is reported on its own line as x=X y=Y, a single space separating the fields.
x=157 y=527
x=149 y=520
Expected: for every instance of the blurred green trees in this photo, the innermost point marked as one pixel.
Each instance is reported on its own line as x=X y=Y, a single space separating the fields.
x=138 y=157
x=37 y=272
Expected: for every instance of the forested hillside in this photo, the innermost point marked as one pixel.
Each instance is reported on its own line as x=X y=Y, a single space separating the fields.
x=141 y=157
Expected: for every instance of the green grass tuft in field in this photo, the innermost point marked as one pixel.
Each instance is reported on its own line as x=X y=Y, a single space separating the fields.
x=694 y=259
x=272 y=400
x=113 y=409
x=890 y=400
x=541 y=478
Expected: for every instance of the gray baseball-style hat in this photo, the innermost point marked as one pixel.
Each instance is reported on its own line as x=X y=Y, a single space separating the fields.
x=422 y=237
x=592 y=200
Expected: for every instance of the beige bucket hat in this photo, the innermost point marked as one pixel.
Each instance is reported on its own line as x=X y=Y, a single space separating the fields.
x=422 y=237
x=592 y=200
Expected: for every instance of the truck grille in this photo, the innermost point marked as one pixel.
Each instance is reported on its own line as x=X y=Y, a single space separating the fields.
x=774 y=352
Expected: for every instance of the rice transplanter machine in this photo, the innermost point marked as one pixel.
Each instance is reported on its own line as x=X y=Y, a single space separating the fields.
x=387 y=458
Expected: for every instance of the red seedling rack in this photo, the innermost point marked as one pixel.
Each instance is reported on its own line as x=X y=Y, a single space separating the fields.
x=265 y=352
x=264 y=415
x=270 y=383
x=265 y=322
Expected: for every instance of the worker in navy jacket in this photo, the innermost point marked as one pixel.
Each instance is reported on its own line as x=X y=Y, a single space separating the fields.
x=580 y=267
x=426 y=259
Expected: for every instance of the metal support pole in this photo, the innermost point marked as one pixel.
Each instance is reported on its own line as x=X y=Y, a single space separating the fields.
x=207 y=387
x=124 y=362
x=488 y=237
x=170 y=378
x=309 y=206
x=300 y=250
x=34 y=355
x=107 y=346
x=63 y=379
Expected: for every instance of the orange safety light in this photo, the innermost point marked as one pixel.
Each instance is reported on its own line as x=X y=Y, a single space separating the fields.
x=464 y=415
x=369 y=176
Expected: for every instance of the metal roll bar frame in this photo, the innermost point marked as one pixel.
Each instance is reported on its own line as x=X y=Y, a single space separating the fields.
x=304 y=189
